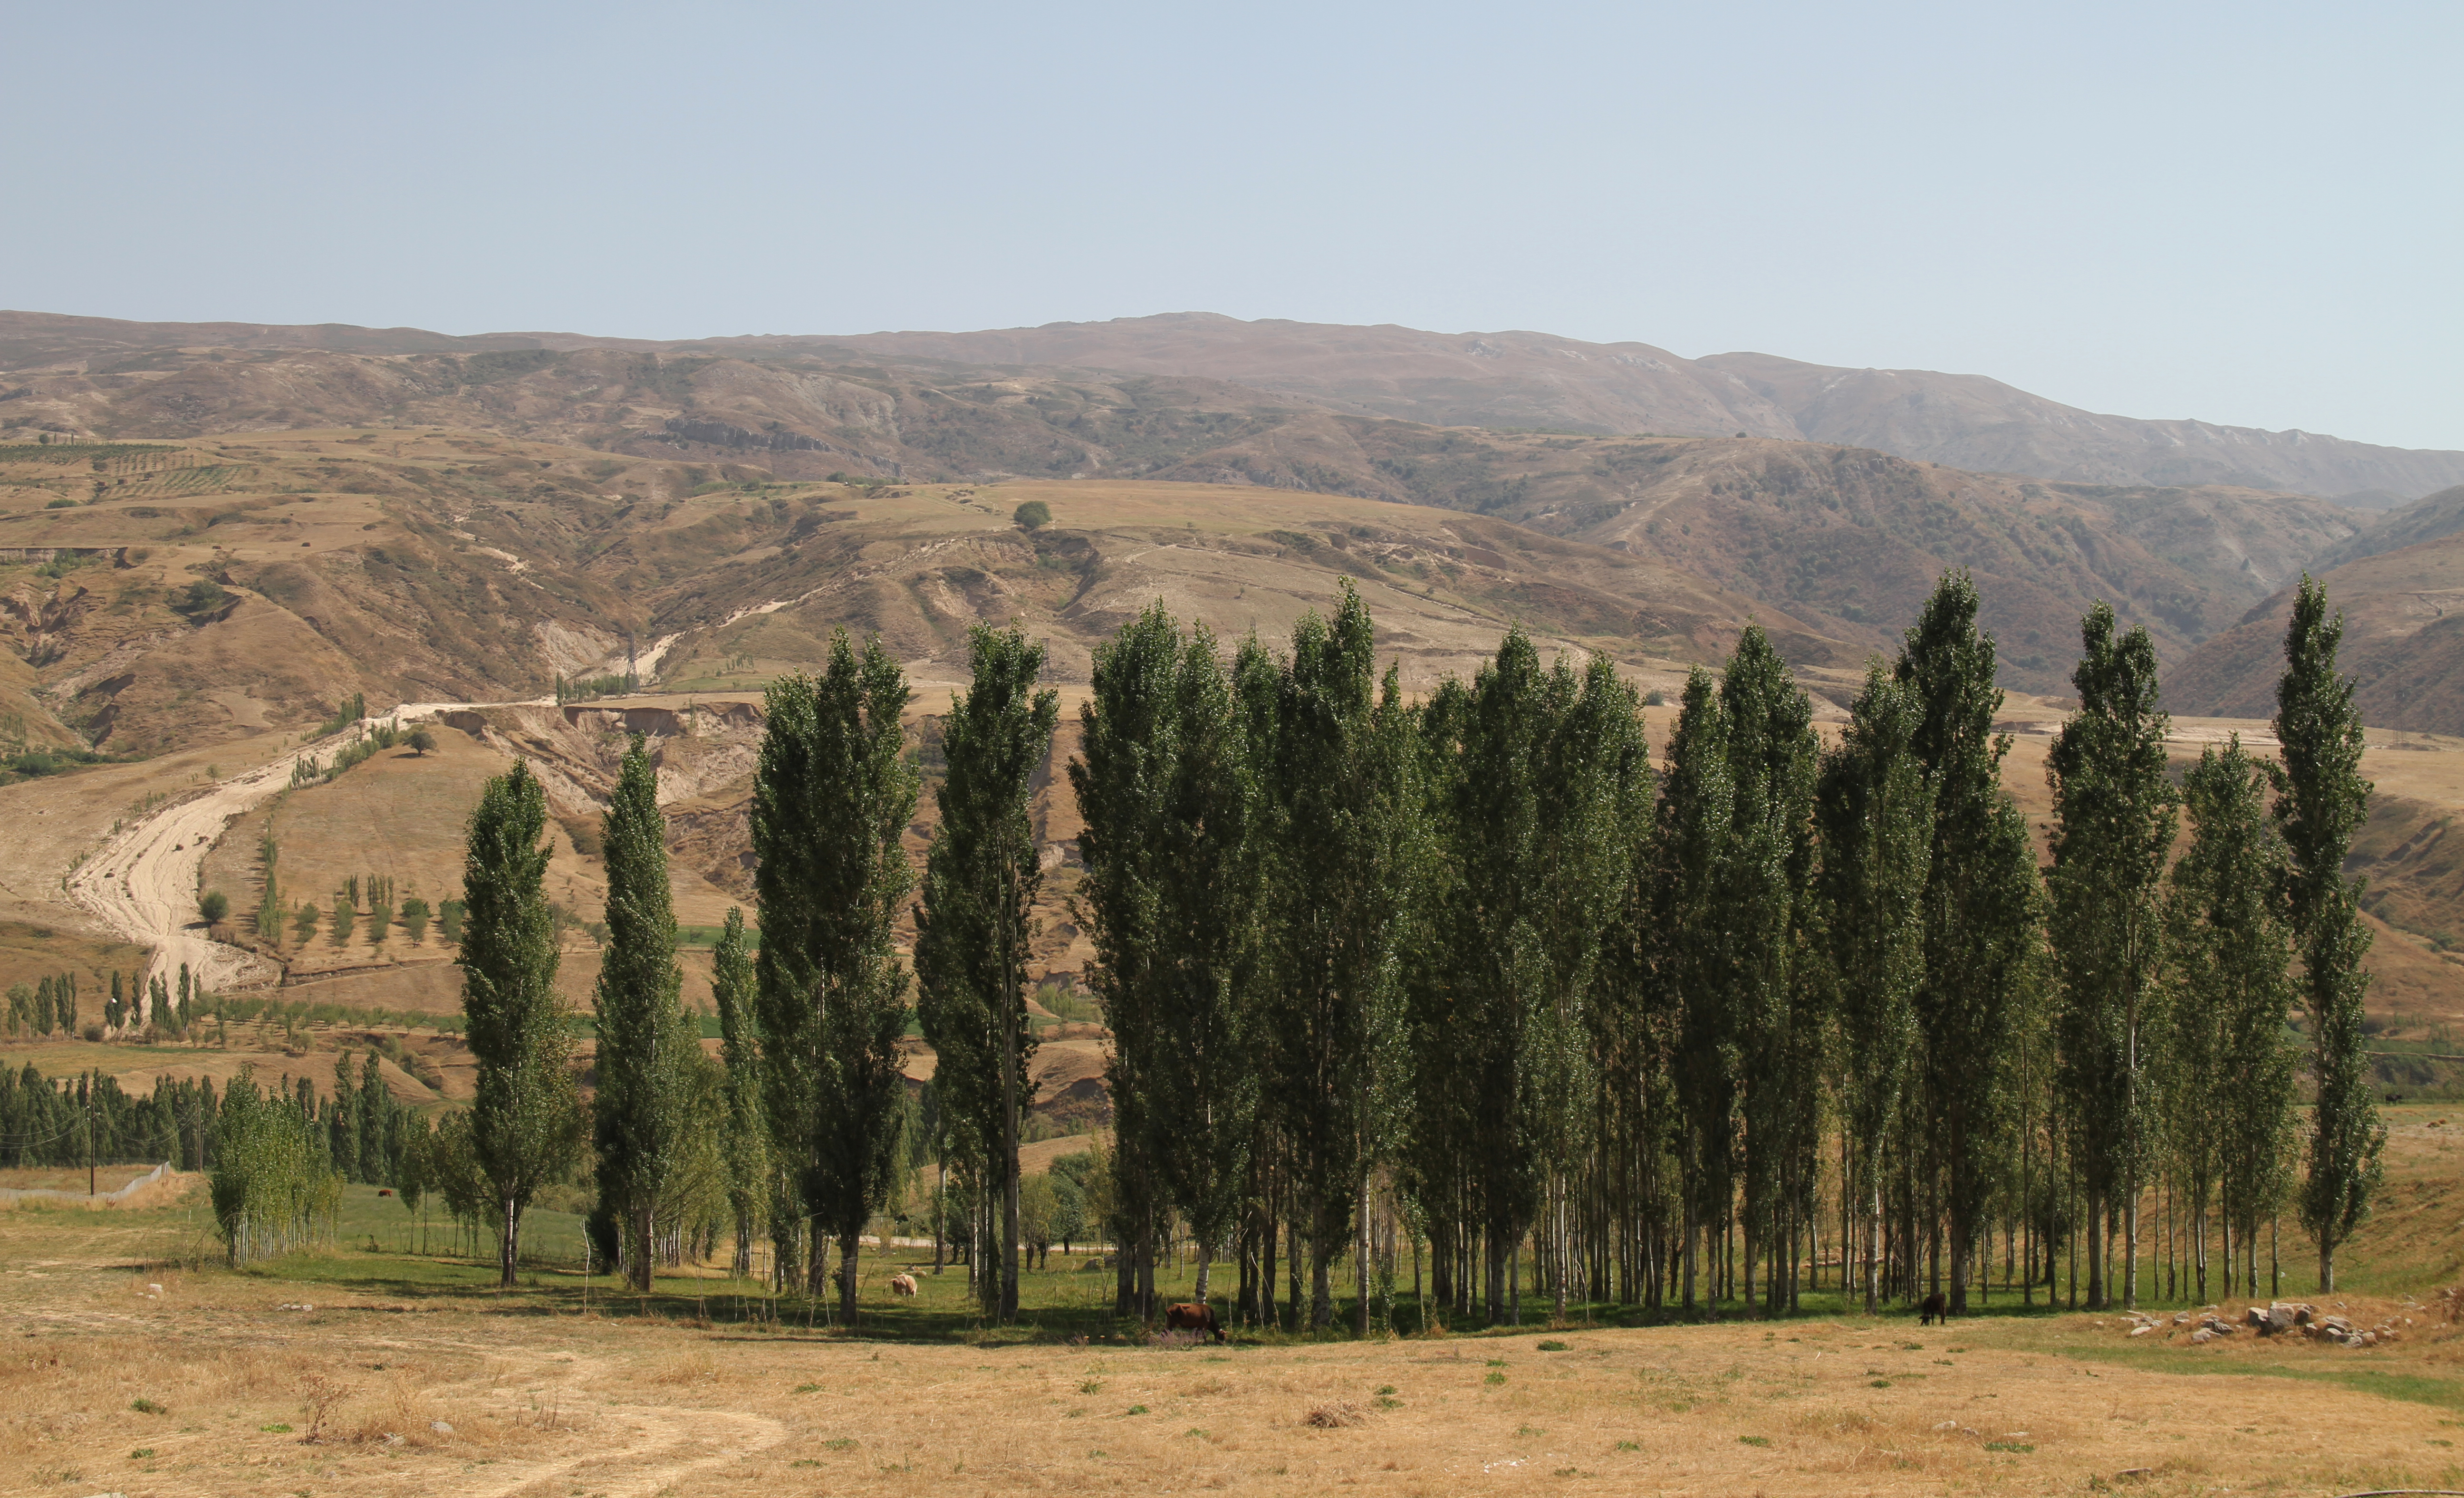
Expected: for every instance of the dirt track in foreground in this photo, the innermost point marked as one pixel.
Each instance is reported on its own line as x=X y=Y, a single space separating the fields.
x=546 y=1402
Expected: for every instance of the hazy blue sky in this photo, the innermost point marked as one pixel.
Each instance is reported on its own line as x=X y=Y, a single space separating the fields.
x=2245 y=213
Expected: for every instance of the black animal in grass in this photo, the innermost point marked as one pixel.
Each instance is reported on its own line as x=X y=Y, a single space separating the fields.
x=1934 y=1308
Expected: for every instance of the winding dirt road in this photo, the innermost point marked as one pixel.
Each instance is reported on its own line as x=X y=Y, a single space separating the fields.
x=143 y=881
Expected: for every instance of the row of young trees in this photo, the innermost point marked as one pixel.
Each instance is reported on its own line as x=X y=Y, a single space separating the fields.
x=1476 y=959
x=1475 y=949
x=88 y=1117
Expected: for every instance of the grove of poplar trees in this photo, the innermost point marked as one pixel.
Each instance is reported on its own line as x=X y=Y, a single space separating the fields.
x=1476 y=981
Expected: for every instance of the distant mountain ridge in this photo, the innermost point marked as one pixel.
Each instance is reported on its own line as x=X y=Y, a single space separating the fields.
x=1518 y=379
x=1515 y=379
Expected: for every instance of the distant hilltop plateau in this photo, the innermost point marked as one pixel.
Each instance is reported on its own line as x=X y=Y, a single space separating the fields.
x=1513 y=379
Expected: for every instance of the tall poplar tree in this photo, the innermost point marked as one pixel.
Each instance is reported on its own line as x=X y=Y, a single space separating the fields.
x=648 y=1046
x=832 y=797
x=1595 y=814
x=1875 y=816
x=1537 y=829
x=981 y=879
x=744 y=1143
x=1773 y=756
x=2114 y=819
x=341 y=1120
x=1204 y=1093
x=1692 y=851
x=2229 y=1099
x=2321 y=802
x=1504 y=1015
x=1444 y=1111
x=377 y=1113
x=1338 y=790
x=526 y=1118
x=1981 y=910
x=1122 y=778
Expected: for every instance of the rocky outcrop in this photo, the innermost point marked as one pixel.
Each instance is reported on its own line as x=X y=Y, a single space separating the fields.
x=2276 y=1318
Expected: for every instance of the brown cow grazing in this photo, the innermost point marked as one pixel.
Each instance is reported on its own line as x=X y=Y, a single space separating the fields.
x=1932 y=1311
x=902 y=1285
x=1192 y=1317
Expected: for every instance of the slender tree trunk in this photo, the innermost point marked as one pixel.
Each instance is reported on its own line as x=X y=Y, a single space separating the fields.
x=2094 y=1255
x=1267 y=1315
x=1147 y=1269
x=847 y=1245
x=508 y=1245
x=1567 y=1256
x=2130 y=1245
x=1361 y=1249
x=1686 y=1293
x=1873 y=1237
x=1321 y=1284
x=639 y=1270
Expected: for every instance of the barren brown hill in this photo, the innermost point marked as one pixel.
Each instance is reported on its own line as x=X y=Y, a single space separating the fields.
x=2404 y=643
x=1511 y=379
x=2428 y=518
x=184 y=593
x=1969 y=421
x=1847 y=537
x=1521 y=378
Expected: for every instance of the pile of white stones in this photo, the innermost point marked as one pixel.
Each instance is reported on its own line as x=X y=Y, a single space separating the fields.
x=2274 y=1319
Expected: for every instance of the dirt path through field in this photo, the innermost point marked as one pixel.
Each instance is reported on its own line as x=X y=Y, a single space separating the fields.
x=143 y=881
x=643 y=1449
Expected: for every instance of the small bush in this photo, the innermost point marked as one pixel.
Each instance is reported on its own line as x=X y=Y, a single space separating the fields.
x=148 y=1407
x=61 y=503
x=1655 y=698
x=203 y=597
x=1552 y=1345
x=215 y=906
x=1034 y=515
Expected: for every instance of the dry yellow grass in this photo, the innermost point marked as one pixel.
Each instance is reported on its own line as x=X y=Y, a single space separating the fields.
x=542 y=1398
x=561 y=1404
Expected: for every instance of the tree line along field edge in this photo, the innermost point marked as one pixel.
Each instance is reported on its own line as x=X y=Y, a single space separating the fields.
x=1669 y=950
